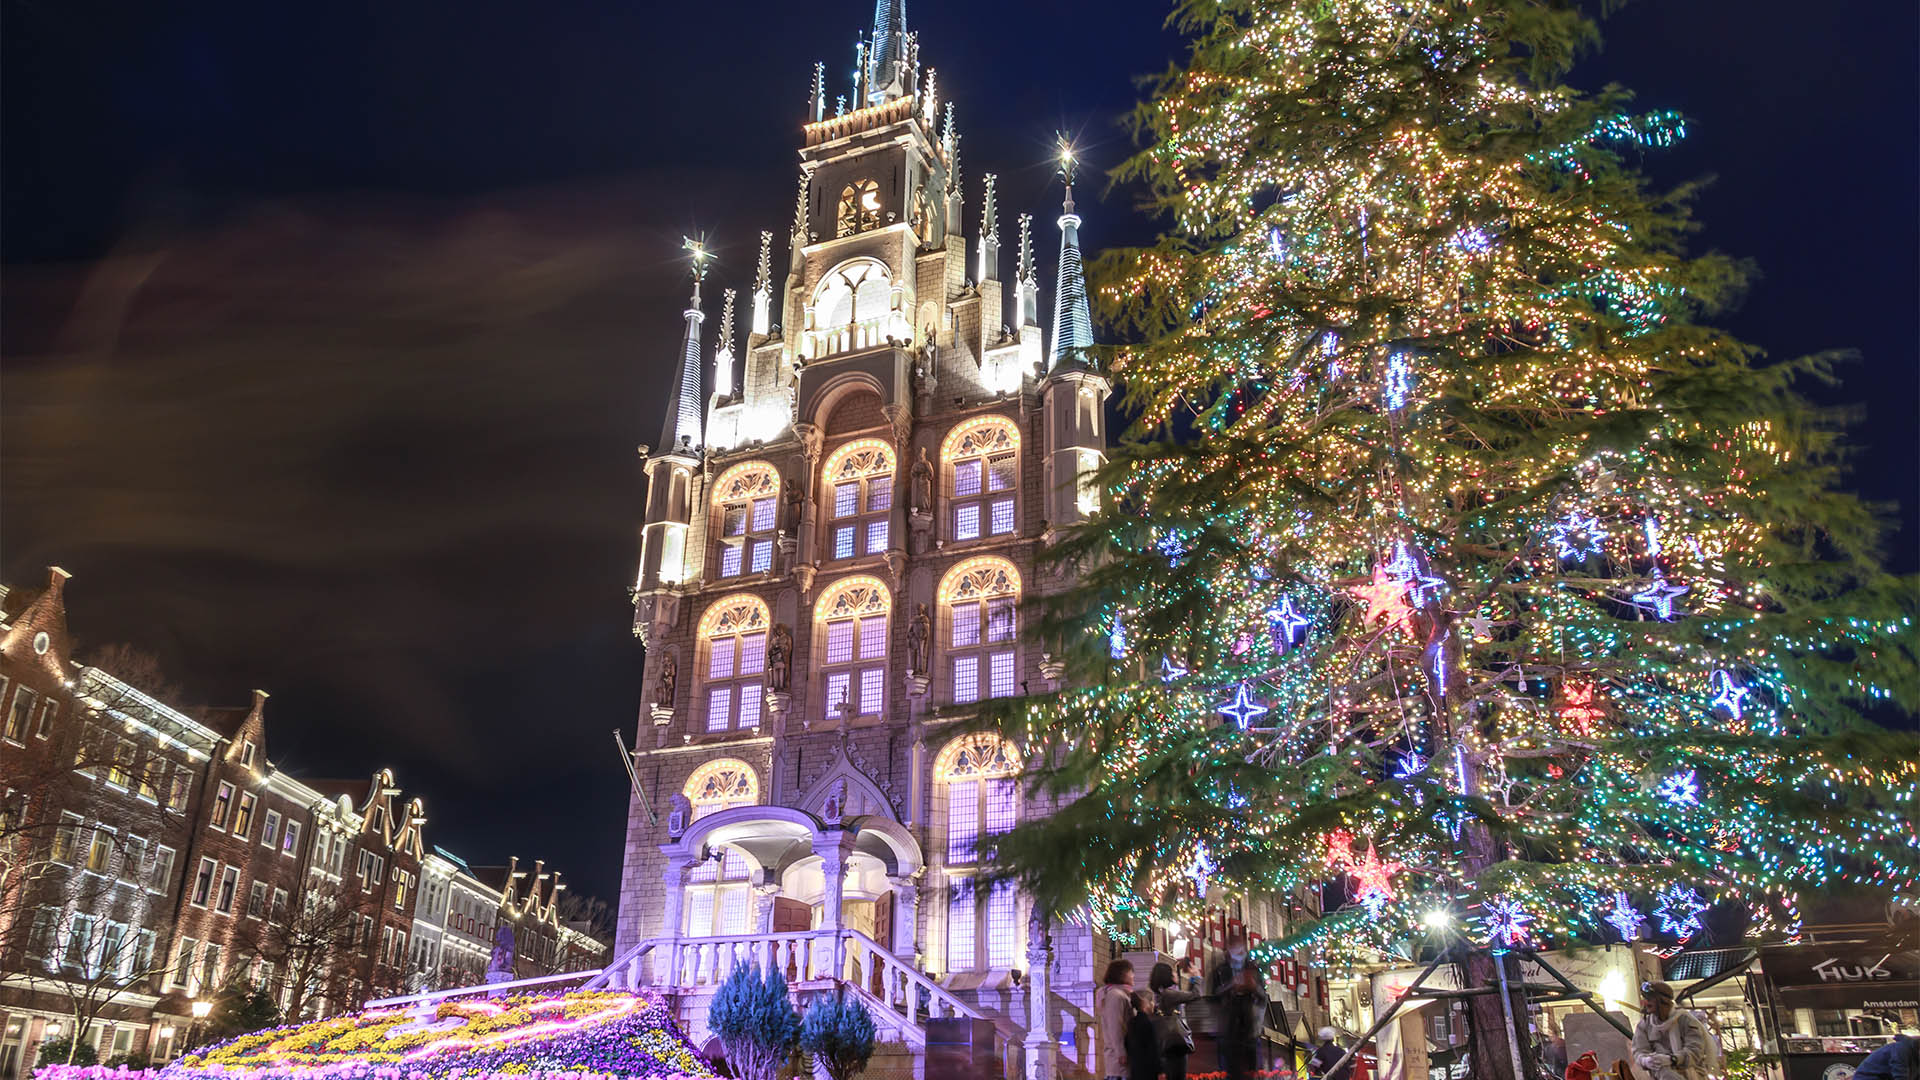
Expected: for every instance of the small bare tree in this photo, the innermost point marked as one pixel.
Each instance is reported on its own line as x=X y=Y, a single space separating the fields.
x=314 y=948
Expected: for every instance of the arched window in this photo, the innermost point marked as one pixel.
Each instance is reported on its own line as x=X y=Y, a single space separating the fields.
x=982 y=458
x=859 y=208
x=852 y=615
x=733 y=638
x=746 y=502
x=852 y=308
x=977 y=602
x=717 y=899
x=859 y=485
x=977 y=777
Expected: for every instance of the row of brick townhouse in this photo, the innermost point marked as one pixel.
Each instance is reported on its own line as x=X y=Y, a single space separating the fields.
x=153 y=858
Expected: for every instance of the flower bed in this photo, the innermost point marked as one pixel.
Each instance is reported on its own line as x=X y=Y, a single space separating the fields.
x=580 y=1036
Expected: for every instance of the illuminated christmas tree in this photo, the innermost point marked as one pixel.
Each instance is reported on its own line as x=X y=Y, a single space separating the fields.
x=1453 y=561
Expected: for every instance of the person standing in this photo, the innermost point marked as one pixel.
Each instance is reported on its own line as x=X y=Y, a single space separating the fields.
x=1143 y=1039
x=1326 y=1056
x=1170 y=1008
x=1669 y=1043
x=1111 y=1005
x=1239 y=993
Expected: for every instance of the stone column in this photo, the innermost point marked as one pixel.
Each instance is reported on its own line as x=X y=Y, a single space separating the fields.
x=672 y=906
x=765 y=888
x=906 y=916
x=833 y=848
x=1039 y=1045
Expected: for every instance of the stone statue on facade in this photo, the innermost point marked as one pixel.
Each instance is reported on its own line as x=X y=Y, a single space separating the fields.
x=679 y=816
x=780 y=659
x=923 y=484
x=920 y=641
x=666 y=681
x=834 y=810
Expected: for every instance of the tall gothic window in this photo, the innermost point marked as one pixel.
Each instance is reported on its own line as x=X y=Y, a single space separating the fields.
x=977 y=777
x=982 y=459
x=853 y=309
x=859 y=208
x=977 y=602
x=852 y=616
x=859 y=486
x=746 y=502
x=717 y=897
x=733 y=638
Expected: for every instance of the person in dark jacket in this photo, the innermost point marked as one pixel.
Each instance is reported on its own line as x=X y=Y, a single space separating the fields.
x=1239 y=993
x=1326 y=1056
x=1898 y=1060
x=1143 y=1040
x=1170 y=1016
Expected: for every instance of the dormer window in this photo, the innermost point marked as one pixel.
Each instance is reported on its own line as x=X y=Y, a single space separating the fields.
x=859 y=208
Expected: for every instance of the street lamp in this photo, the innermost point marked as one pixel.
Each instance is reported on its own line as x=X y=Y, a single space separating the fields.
x=200 y=1008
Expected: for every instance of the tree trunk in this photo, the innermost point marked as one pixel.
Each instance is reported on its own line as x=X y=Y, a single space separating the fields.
x=1492 y=1052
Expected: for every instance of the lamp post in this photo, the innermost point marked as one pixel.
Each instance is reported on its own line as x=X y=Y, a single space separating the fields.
x=200 y=1008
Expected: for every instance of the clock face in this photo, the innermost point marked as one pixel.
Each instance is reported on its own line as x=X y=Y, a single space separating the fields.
x=41 y=643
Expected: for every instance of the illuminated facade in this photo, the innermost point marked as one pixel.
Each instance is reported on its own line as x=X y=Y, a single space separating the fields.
x=837 y=543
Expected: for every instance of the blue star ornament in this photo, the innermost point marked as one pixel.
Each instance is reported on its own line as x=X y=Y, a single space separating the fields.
x=1728 y=694
x=1243 y=710
x=1660 y=596
x=1286 y=623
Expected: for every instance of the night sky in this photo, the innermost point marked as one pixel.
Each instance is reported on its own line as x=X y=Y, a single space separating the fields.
x=330 y=328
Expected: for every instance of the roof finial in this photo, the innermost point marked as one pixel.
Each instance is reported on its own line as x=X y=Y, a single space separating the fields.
x=763 y=287
x=1072 y=321
x=817 y=93
x=860 y=81
x=680 y=432
x=989 y=236
x=1029 y=283
x=800 y=210
x=929 y=98
x=723 y=350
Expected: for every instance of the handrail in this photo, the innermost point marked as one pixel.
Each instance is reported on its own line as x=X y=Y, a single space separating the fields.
x=914 y=975
x=484 y=988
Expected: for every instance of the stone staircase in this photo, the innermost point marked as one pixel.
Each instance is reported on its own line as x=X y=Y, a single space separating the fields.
x=901 y=998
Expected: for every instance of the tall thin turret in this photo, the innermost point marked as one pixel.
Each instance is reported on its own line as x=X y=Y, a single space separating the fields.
x=1029 y=282
x=680 y=431
x=1072 y=321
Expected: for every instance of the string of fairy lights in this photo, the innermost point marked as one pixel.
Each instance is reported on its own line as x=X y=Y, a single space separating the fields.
x=1441 y=572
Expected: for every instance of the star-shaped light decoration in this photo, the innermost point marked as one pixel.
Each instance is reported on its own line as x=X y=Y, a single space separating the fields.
x=1577 y=537
x=1624 y=918
x=1242 y=710
x=1373 y=880
x=1679 y=911
x=1386 y=600
x=1728 y=694
x=1507 y=922
x=1283 y=623
x=1403 y=567
x=1681 y=789
x=1660 y=595
x=1578 y=710
x=1411 y=765
x=1202 y=869
x=1117 y=640
x=1170 y=671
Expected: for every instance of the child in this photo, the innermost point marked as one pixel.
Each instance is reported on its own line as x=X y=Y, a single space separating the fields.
x=1143 y=1040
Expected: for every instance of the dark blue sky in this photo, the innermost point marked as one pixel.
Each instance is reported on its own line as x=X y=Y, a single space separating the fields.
x=350 y=413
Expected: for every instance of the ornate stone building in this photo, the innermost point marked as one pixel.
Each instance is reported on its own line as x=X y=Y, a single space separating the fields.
x=837 y=544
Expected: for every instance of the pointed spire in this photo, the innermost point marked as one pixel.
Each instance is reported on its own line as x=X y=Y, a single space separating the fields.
x=929 y=100
x=890 y=59
x=723 y=350
x=817 y=93
x=1072 y=321
x=680 y=432
x=860 y=82
x=989 y=235
x=763 y=287
x=1029 y=281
